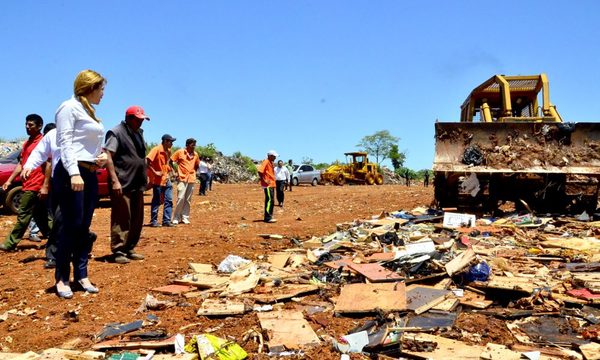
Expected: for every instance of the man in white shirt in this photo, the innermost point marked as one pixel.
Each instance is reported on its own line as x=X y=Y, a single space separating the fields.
x=282 y=174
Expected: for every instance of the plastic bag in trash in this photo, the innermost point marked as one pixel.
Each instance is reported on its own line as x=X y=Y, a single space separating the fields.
x=479 y=272
x=232 y=263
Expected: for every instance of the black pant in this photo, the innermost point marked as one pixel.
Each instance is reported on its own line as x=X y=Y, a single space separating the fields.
x=280 y=186
x=269 y=203
x=203 y=183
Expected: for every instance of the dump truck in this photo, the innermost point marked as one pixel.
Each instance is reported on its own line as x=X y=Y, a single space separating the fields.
x=357 y=170
x=512 y=145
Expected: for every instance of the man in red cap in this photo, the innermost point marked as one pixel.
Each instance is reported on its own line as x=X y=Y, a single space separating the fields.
x=126 y=166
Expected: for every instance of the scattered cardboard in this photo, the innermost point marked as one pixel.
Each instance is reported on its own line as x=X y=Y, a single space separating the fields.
x=201 y=268
x=344 y=263
x=287 y=330
x=279 y=260
x=60 y=354
x=242 y=280
x=203 y=281
x=174 y=289
x=499 y=352
x=590 y=351
x=363 y=298
x=212 y=307
x=388 y=256
x=573 y=243
x=375 y=272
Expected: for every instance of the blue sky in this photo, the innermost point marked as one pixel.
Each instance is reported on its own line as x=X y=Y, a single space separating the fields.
x=306 y=78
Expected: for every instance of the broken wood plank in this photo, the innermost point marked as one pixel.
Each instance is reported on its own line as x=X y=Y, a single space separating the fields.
x=213 y=307
x=268 y=295
x=287 y=330
x=30 y=355
x=421 y=298
x=499 y=352
x=447 y=305
x=375 y=272
x=123 y=344
x=60 y=354
x=363 y=298
x=460 y=262
x=590 y=351
x=573 y=243
x=344 y=263
x=475 y=300
x=185 y=356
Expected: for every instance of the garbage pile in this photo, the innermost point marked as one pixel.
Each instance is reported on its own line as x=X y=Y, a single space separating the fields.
x=418 y=284
x=232 y=169
x=8 y=147
x=390 y=177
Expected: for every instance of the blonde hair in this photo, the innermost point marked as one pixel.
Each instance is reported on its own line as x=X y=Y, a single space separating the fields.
x=86 y=82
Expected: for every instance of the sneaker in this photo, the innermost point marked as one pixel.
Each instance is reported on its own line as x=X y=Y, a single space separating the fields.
x=120 y=258
x=185 y=221
x=135 y=256
x=168 y=224
x=271 y=221
x=50 y=264
x=175 y=222
x=34 y=238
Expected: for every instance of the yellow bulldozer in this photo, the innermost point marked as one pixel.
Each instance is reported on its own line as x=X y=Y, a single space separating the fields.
x=511 y=144
x=357 y=170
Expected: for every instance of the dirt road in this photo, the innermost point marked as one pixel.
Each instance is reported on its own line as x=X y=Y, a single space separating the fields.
x=225 y=222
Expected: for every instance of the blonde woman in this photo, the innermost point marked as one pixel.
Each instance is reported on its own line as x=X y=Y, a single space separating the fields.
x=79 y=135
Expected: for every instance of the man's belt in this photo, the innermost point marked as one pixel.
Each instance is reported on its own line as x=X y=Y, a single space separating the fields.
x=88 y=165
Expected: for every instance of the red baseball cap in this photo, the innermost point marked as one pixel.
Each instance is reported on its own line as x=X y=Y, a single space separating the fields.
x=137 y=111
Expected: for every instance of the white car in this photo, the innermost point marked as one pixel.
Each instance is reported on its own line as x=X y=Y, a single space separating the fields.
x=305 y=174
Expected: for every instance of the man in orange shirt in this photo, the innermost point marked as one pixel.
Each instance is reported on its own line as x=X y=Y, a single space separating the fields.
x=159 y=169
x=187 y=161
x=266 y=174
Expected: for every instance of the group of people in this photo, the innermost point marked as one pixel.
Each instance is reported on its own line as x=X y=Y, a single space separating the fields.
x=60 y=166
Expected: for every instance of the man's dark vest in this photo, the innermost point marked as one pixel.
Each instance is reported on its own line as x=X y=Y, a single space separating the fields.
x=130 y=158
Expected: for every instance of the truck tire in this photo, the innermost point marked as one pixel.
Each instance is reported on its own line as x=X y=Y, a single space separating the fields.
x=314 y=182
x=295 y=181
x=369 y=179
x=340 y=180
x=13 y=199
x=379 y=179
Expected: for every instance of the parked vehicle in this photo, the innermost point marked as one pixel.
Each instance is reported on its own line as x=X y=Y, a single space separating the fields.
x=305 y=174
x=11 y=198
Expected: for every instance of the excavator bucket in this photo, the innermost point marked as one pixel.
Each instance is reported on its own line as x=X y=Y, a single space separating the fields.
x=546 y=164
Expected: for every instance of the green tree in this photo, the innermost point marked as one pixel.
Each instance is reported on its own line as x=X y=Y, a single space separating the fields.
x=378 y=144
x=396 y=157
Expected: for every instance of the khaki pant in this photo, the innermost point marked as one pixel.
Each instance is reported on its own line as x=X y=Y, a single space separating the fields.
x=126 y=220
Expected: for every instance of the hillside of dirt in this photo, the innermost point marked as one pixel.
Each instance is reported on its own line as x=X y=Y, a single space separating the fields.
x=227 y=221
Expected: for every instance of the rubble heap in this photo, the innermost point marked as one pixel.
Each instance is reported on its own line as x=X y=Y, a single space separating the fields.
x=232 y=169
x=8 y=147
x=418 y=284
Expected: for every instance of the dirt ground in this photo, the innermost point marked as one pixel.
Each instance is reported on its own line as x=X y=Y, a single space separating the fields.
x=225 y=222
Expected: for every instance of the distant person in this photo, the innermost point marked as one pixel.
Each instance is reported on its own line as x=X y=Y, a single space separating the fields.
x=35 y=189
x=290 y=168
x=159 y=169
x=79 y=134
x=187 y=161
x=426 y=178
x=281 y=177
x=203 y=173
x=127 y=179
x=211 y=175
x=266 y=175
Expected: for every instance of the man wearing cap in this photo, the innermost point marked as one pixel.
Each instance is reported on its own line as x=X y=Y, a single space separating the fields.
x=187 y=162
x=266 y=174
x=159 y=170
x=126 y=164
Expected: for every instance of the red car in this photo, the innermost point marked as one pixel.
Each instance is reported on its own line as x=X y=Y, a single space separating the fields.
x=11 y=198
